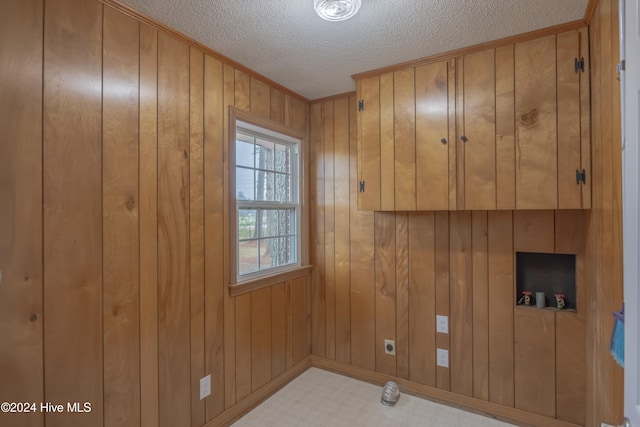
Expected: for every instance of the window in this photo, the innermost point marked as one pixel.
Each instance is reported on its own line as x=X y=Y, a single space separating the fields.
x=267 y=201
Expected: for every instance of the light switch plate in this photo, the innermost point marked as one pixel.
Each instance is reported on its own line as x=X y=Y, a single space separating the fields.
x=205 y=386
x=442 y=324
x=443 y=357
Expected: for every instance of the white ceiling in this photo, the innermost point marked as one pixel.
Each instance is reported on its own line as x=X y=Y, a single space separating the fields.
x=287 y=42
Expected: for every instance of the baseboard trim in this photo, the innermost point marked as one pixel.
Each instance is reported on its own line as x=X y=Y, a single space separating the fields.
x=254 y=399
x=494 y=410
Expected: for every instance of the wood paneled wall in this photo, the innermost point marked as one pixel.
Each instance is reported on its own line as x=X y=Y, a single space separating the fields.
x=387 y=275
x=113 y=224
x=605 y=231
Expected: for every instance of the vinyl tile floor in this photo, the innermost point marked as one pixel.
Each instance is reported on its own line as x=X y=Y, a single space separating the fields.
x=319 y=398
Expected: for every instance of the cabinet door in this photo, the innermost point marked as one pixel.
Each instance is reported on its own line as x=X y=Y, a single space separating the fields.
x=369 y=144
x=478 y=139
x=404 y=135
x=536 y=129
x=432 y=136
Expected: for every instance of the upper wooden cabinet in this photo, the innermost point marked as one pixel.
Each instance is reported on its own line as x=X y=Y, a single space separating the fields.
x=504 y=128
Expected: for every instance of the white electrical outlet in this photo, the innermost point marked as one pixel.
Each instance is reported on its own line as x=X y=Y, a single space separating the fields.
x=443 y=357
x=442 y=324
x=205 y=386
x=390 y=347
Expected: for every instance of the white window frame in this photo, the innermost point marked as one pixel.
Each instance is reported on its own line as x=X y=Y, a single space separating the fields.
x=246 y=123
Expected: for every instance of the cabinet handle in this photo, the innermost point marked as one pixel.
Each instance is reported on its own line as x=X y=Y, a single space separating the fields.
x=464 y=138
x=443 y=140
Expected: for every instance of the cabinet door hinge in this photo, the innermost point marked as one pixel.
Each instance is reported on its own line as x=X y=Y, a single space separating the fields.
x=361 y=105
x=579 y=64
x=362 y=186
x=581 y=176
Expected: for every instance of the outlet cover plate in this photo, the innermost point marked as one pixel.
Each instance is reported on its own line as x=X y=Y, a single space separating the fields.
x=205 y=386
x=391 y=352
x=442 y=324
x=443 y=357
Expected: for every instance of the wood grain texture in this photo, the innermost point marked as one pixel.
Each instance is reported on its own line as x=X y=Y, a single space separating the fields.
x=535 y=368
x=215 y=289
x=585 y=115
x=443 y=297
x=458 y=130
x=432 y=125
x=480 y=130
x=72 y=162
x=260 y=98
x=505 y=129
x=369 y=163
x=279 y=331
x=422 y=298
x=404 y=121
x=196 y=233
x=385 y=295
x=387 y=144
x=260 y=349
x=480 y=268
x=570 y=368
x=402 y=296
x=533 y=231
x=148 y=212
x=173 y=233
x=120 y=220
x=569 y=141
x=453 y=141
x=298 y=305
x=461 y=327
x=243 y=365
x=329 y=231
x=342 y=264
x=536 y=124
x=501 y=302
x=21 y=300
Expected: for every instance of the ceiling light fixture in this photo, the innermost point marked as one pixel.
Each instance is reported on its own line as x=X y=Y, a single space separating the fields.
x=336 y=10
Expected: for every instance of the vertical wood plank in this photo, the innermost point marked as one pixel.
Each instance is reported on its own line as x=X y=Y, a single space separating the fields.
x=289 y=327
x=387 y=144
x=329 y=231
x=535 y=368
x=480 y=268
x=501 y=301
x=317 y=220
x=569 y=143
x=72 y=160
x=173 y=237
x=21 y=303
x=260 y=338
x=369 y=143
x=299 y=316
x=120 y=201
x=533 y=231
x=260 y=98
x=536 y=124
x=196 y=232
x=422 y=298
x=570 y=368
x=505 y=129
x=457 y=118
x=480 y=130
x=277 y=106
x=242 y=90
x=342 y=232
x=443 y=377
x=385 y=280
x=405 y=139
x=278 y=329
x=362 y=290
x=585 y=116
x=452 y=86
x=461 y=326
x=243 y=346
x=432 y=125
x=228 y=98
x=214 y=249
x=148 y=212
x=402 y=295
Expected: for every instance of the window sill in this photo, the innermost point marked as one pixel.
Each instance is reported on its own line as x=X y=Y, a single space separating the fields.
x=263 y=282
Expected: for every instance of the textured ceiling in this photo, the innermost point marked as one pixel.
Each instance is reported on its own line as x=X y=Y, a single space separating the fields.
x=287 y=42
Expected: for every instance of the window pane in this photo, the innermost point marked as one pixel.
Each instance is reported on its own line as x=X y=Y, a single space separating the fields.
x=269 y=222
x=283 y=161
x=247 y=224
x=264 y=186
x=287 y=250
x=283 y=188
x=264 y=154
x=248 y=256
x=268 y=253
x=287 y=222
x=244 y=151
x=244 y=184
